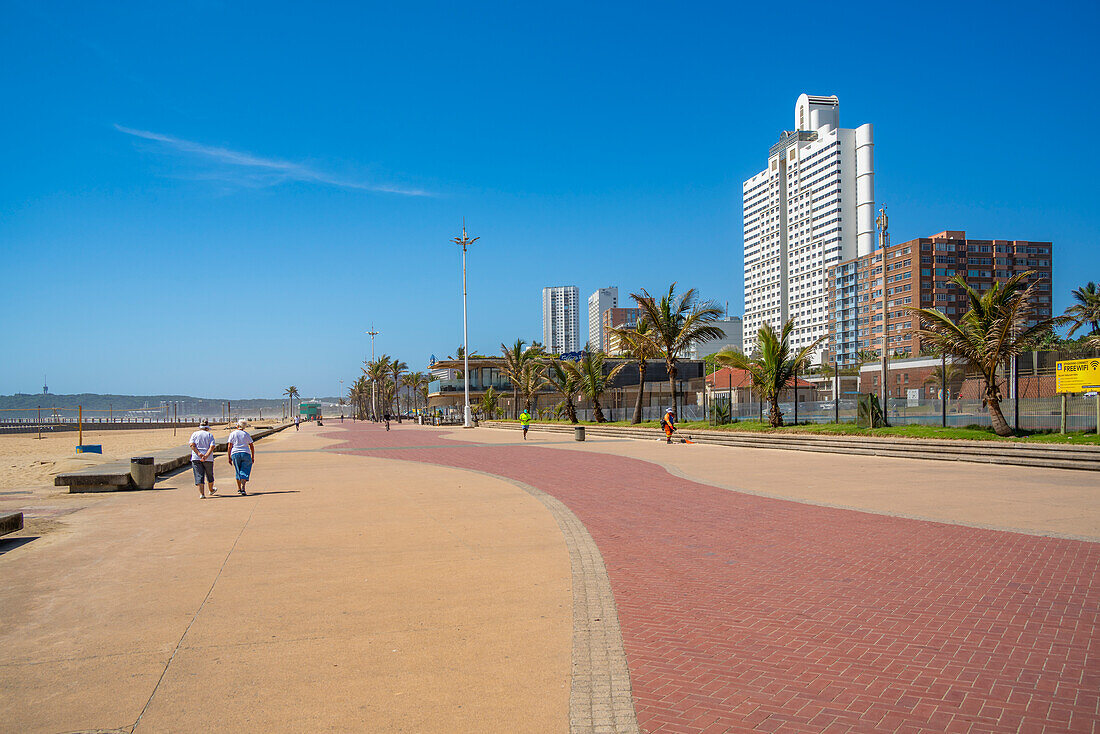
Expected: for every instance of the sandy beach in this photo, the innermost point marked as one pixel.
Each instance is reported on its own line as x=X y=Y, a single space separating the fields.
x=27 y=462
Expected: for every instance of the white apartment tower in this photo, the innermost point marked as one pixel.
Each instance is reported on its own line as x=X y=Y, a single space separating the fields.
x=813 y=206
x=599 y=302
x=561 y=323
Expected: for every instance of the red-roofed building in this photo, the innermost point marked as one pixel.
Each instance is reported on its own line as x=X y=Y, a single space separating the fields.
x=737 y=384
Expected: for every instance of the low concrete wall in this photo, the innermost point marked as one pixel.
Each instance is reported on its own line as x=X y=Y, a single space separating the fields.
x=114 y=476
x=11 y=523
x=93 y=427
x=1053 y=456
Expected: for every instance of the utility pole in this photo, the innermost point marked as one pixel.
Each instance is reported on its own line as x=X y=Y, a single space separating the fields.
x=465 y=242
x=883 y=223
x=373 y=405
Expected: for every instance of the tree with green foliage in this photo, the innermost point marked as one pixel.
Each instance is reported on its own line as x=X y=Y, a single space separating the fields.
x=488 y=404
x=291 y=394
x=413 y=382
x=994 y=330
x=641 y=349
x=513 y=365
x=564 y=381
x=532 y=380
x=943 y=376
x=396 y=369
x=376 y=371
x=1086 y=310
x=774 y=367
x=676 y=322
x=588 y=371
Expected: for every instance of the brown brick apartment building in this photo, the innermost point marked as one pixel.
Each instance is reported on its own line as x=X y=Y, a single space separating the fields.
x=618 y=318
x=918 y=274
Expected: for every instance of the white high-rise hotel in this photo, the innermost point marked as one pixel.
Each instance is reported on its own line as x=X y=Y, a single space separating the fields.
x=599 y=302
x=561 y=323
x=811 y=207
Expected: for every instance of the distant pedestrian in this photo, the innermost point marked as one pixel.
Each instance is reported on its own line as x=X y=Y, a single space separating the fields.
x=668 y=422
x=297 y=421
x=525 y=421
x=386 y=416
x=341 y=417
x=202 y=458
x=242 y=453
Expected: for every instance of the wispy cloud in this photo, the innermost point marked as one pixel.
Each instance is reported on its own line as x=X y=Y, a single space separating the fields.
x=265 y=171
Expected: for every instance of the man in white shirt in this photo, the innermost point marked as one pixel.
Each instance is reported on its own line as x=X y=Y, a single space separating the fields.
x=202 y=458
x=242 y=452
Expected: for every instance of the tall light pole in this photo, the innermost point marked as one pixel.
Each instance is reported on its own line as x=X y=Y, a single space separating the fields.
x=373 y=405
x=339 y=398
x=465 y=242
x=883 y=224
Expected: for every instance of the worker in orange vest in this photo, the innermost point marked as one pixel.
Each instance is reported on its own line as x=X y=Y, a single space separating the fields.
x=668 y=422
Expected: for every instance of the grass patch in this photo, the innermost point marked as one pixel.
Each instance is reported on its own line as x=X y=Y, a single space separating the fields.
x=969 y=433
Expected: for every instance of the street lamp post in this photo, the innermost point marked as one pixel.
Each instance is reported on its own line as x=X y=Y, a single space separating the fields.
x=465 y=242
x=373 y=402
x=883 y=223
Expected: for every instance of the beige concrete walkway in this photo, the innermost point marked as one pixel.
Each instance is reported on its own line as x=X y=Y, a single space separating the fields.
x=1038 y=501
x=348 y=594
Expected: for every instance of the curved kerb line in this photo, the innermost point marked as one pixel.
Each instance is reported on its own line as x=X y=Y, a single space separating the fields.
x=600 y=696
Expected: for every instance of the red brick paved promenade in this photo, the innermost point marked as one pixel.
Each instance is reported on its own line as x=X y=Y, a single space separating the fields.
x=743 y=613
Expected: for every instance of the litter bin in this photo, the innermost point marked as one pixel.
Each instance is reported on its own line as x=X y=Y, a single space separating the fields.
x=142 y=471
x=578 y=433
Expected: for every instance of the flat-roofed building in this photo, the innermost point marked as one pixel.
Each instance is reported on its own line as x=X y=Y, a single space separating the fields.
x=919 y=275
x=618 y=318
x=561 y=323
x=598 y=302
x=810 y=208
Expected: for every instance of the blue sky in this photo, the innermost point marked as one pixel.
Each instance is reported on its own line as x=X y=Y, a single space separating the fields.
x=180 y=181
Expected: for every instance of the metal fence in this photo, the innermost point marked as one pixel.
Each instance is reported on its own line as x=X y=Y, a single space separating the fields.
x=1036 y=414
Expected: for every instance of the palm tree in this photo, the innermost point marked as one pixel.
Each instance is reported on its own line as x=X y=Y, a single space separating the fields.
x=396 y=368
x=376 y=371
x=591 y=379
x=1086 y=310
x=641 y=349
x=992 y=331
x=773 y=369
x=488 y=405
x=564 y=380
x=389 y=391
x=677 y=321
x=359 y=395
x=944 y=376
x=414 y=381
x=513 y=364
x=532 y=380
x=291 y=393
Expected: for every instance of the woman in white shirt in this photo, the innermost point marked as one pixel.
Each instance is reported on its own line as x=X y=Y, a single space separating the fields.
x=242 y=452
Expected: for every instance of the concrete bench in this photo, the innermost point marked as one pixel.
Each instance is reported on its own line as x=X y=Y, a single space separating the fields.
x=11 y=523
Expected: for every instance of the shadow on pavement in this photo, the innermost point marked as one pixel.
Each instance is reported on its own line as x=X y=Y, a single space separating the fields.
x=10 y=544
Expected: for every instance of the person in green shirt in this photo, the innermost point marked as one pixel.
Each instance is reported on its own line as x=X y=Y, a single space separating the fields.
x=525 y=419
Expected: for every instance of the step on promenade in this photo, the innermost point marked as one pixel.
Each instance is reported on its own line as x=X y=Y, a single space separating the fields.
x=741 y=612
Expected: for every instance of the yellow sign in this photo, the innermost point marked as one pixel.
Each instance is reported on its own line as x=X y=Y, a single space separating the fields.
x=1077 y=375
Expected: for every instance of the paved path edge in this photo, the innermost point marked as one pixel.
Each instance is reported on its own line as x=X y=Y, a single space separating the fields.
x=600 y=694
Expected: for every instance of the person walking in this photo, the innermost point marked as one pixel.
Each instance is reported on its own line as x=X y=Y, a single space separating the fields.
x=202 y=458
x=386 y=416
x=525 y=421
x=668 y=422
x=297 y=421
x=241 y=454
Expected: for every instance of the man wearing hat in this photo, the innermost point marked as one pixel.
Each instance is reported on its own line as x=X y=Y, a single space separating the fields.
x=202 y=458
